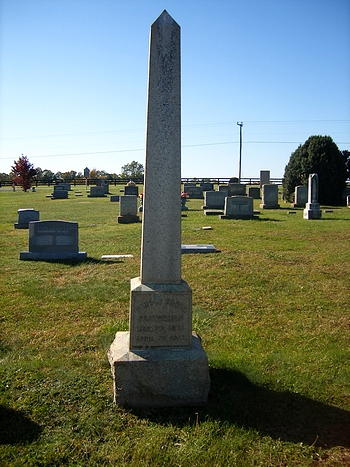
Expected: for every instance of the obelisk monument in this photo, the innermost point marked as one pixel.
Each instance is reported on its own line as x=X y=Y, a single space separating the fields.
x=160 y=362
x=312 y=208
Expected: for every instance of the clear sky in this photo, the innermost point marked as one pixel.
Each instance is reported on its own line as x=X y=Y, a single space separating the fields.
x=73 y=76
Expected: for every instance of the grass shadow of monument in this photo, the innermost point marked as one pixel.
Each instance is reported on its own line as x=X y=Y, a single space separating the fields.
x=15 y=427
x=286 y=416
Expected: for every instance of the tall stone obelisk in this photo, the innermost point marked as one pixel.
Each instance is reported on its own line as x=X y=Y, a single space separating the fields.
x=160 y=362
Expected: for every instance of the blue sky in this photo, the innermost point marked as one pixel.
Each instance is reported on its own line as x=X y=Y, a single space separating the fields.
x=73 y=81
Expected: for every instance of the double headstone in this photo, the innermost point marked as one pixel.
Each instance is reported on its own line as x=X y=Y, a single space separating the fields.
x=25 y=216
x=97 y=192
x=312 y=209
x=53 y=240
x=237 y=189
x=160 y=362
x=238 y=207
x=214 y=200
x=59 y=192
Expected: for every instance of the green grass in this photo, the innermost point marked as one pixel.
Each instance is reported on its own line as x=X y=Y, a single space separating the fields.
x=272 y=309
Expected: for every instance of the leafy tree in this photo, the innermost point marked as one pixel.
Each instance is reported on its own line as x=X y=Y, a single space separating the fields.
x=47 y=175
x=319 y=154
x=23 y=173
x=68 y=176
x=132 y=170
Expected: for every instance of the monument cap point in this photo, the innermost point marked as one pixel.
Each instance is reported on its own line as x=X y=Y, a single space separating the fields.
x=165 y=19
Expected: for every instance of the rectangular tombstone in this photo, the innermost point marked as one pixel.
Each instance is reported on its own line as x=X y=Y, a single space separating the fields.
x=97 y=192
x=237 y=189
x=238 y=207
x=198 y=248
x=254 y=192
x=207 y=186
x=194 y=192
x=131 y=190
x=25 y=216
x=300 y=196
x=128 y=209
x=53 y=240
x=269 y=197
x=114 y=198
x=264 y=177
x=59 y=193
x=65 y=186
x=188 y=184
x=214 y=199
x=225 y=188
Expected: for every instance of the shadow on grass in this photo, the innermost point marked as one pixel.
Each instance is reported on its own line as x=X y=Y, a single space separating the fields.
x=286 y=416
x=15 y=427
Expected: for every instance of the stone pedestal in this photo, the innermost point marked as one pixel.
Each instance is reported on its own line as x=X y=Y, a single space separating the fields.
x=159 y=377
x=312 y=208
x=312 y=211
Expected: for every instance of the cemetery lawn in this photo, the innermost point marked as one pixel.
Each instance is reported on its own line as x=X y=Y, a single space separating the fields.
x=272 y=309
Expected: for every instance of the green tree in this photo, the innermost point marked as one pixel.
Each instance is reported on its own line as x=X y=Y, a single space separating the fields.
x=319 y=154
x=23 y=173
x=132 y=170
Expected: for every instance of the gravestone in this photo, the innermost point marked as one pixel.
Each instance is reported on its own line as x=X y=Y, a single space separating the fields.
x=59 y=192
x=207 y=186
x=187 y=185
x=225 y=188
x=195 y=192
x=312 y=208
x=237 y=189
x=238 y=207
x=131 y=190
x=25 y=216
x=269 y=197
x=254 y=192
x=214 y=199
x=160 y=362
x=300 y=196
x=65 y=186
x=97 y=192
x=128 y=209
x=53 y=240
x=114 y=198
x=264 y=178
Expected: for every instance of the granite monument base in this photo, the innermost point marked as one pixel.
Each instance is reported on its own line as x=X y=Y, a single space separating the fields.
x=159 y=377
x=312 y=211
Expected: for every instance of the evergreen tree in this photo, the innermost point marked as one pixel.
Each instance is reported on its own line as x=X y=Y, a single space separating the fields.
x=319 y=154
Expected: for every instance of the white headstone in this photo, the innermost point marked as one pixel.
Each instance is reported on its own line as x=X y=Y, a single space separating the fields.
x=312 y=209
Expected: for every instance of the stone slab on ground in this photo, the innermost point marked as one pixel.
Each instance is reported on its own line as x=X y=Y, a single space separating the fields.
x=200 y=248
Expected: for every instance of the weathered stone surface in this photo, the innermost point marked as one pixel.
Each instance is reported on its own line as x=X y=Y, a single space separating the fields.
x=161 y=224
x=161 y=315
x=159 y=363
x=159 y=377
x=264 y=177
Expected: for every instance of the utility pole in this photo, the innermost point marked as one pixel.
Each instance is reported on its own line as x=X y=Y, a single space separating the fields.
x=240 y=124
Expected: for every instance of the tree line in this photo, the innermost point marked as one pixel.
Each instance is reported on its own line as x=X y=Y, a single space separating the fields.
x=319 y=154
